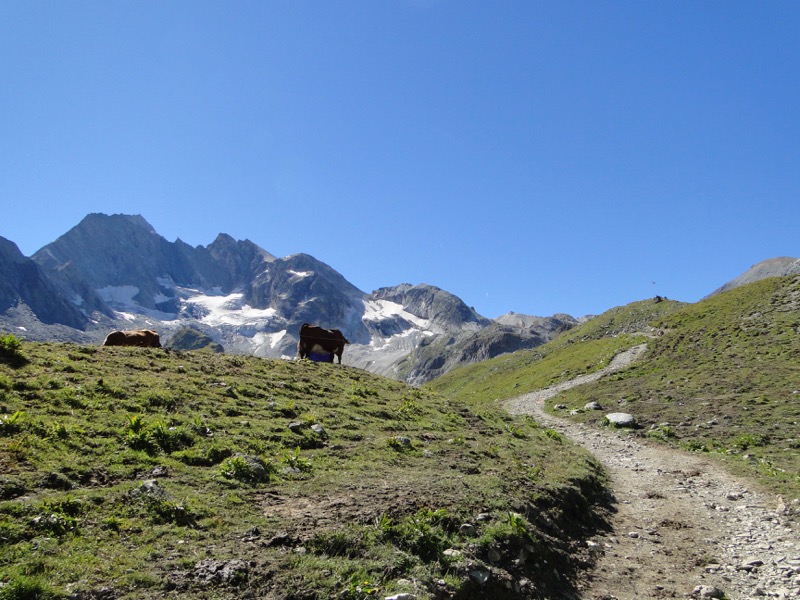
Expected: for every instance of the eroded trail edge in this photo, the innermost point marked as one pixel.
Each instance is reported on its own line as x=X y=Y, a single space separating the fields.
x=683 y=525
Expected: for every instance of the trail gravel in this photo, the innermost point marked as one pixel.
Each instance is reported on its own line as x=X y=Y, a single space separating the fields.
x=683 y=526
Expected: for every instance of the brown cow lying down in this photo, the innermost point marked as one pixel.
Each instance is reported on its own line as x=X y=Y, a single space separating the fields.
x=141 y=337
x=316 y=342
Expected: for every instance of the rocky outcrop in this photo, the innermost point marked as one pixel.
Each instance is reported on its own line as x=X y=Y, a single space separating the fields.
x=773 y=267
x=441 y=308
x=302 y=289
x=509 y=333
x=189 y=338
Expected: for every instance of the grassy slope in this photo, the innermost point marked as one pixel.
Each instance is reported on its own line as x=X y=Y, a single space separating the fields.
x=351 y=511
x=724 y=378
x=579 y=351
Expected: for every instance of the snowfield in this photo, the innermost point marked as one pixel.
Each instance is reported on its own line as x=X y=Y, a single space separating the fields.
x=230 y=310
x=382 y=310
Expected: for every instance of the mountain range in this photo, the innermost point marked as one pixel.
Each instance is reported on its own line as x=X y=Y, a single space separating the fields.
x=116 y=272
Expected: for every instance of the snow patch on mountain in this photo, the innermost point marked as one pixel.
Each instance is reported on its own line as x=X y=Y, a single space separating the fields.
x=382 y=310
x=228 y=309
x=264 y=343
x=119 y=295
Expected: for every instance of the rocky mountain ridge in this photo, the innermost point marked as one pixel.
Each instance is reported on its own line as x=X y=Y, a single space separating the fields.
x=114 y=272
x=772 y=267
x=23 y=281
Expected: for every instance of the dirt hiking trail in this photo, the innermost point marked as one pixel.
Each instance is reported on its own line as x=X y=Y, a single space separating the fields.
x=683 y=526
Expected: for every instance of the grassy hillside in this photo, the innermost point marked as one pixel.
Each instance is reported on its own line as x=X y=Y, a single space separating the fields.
x=134 y=472
x=578 y=351
x=723 y=378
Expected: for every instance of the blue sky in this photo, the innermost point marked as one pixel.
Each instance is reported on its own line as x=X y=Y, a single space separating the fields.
x=536 y=157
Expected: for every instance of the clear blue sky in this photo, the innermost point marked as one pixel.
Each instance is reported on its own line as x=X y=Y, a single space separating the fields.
x=539 y=157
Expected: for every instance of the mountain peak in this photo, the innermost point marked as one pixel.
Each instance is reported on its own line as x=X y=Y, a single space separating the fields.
x=10 y=250
x=119 y=220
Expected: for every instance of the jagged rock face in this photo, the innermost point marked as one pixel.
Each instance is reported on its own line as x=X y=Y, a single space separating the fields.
x=442 y=308
x=22 y=281
x=237 y=260
x=104 y=254
x=118 y=250
x=302 y=289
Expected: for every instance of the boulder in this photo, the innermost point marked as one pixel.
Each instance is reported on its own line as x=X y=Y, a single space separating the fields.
x=621 y=419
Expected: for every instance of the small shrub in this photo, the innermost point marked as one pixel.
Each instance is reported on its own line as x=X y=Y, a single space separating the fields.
x=695 y=446
x=360 y=588
x=745 y=441
x=54 y=521
x=136 y=423
x=554 y=435
x=511 y=527
x=663 y=432
x=296 y=462
x=113 y=523
x=59 y=430
x=166 y=511
x=138 y=438
x=248 y=469
x=399 y=443
x=66 y=506
x=11 y=351
x=424 y=533
x=515 y=431
x=11 y=423
x=409 y=409
x=518 y=524
x=170 y=439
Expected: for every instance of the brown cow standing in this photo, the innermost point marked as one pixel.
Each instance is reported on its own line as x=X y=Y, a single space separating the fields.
x=141 y=337
x=315 y=342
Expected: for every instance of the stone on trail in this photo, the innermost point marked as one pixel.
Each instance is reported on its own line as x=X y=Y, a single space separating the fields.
x=621 y=419
x=707 y=591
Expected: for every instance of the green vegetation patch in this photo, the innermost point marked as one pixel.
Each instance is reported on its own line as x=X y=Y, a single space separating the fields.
x=147 y=472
